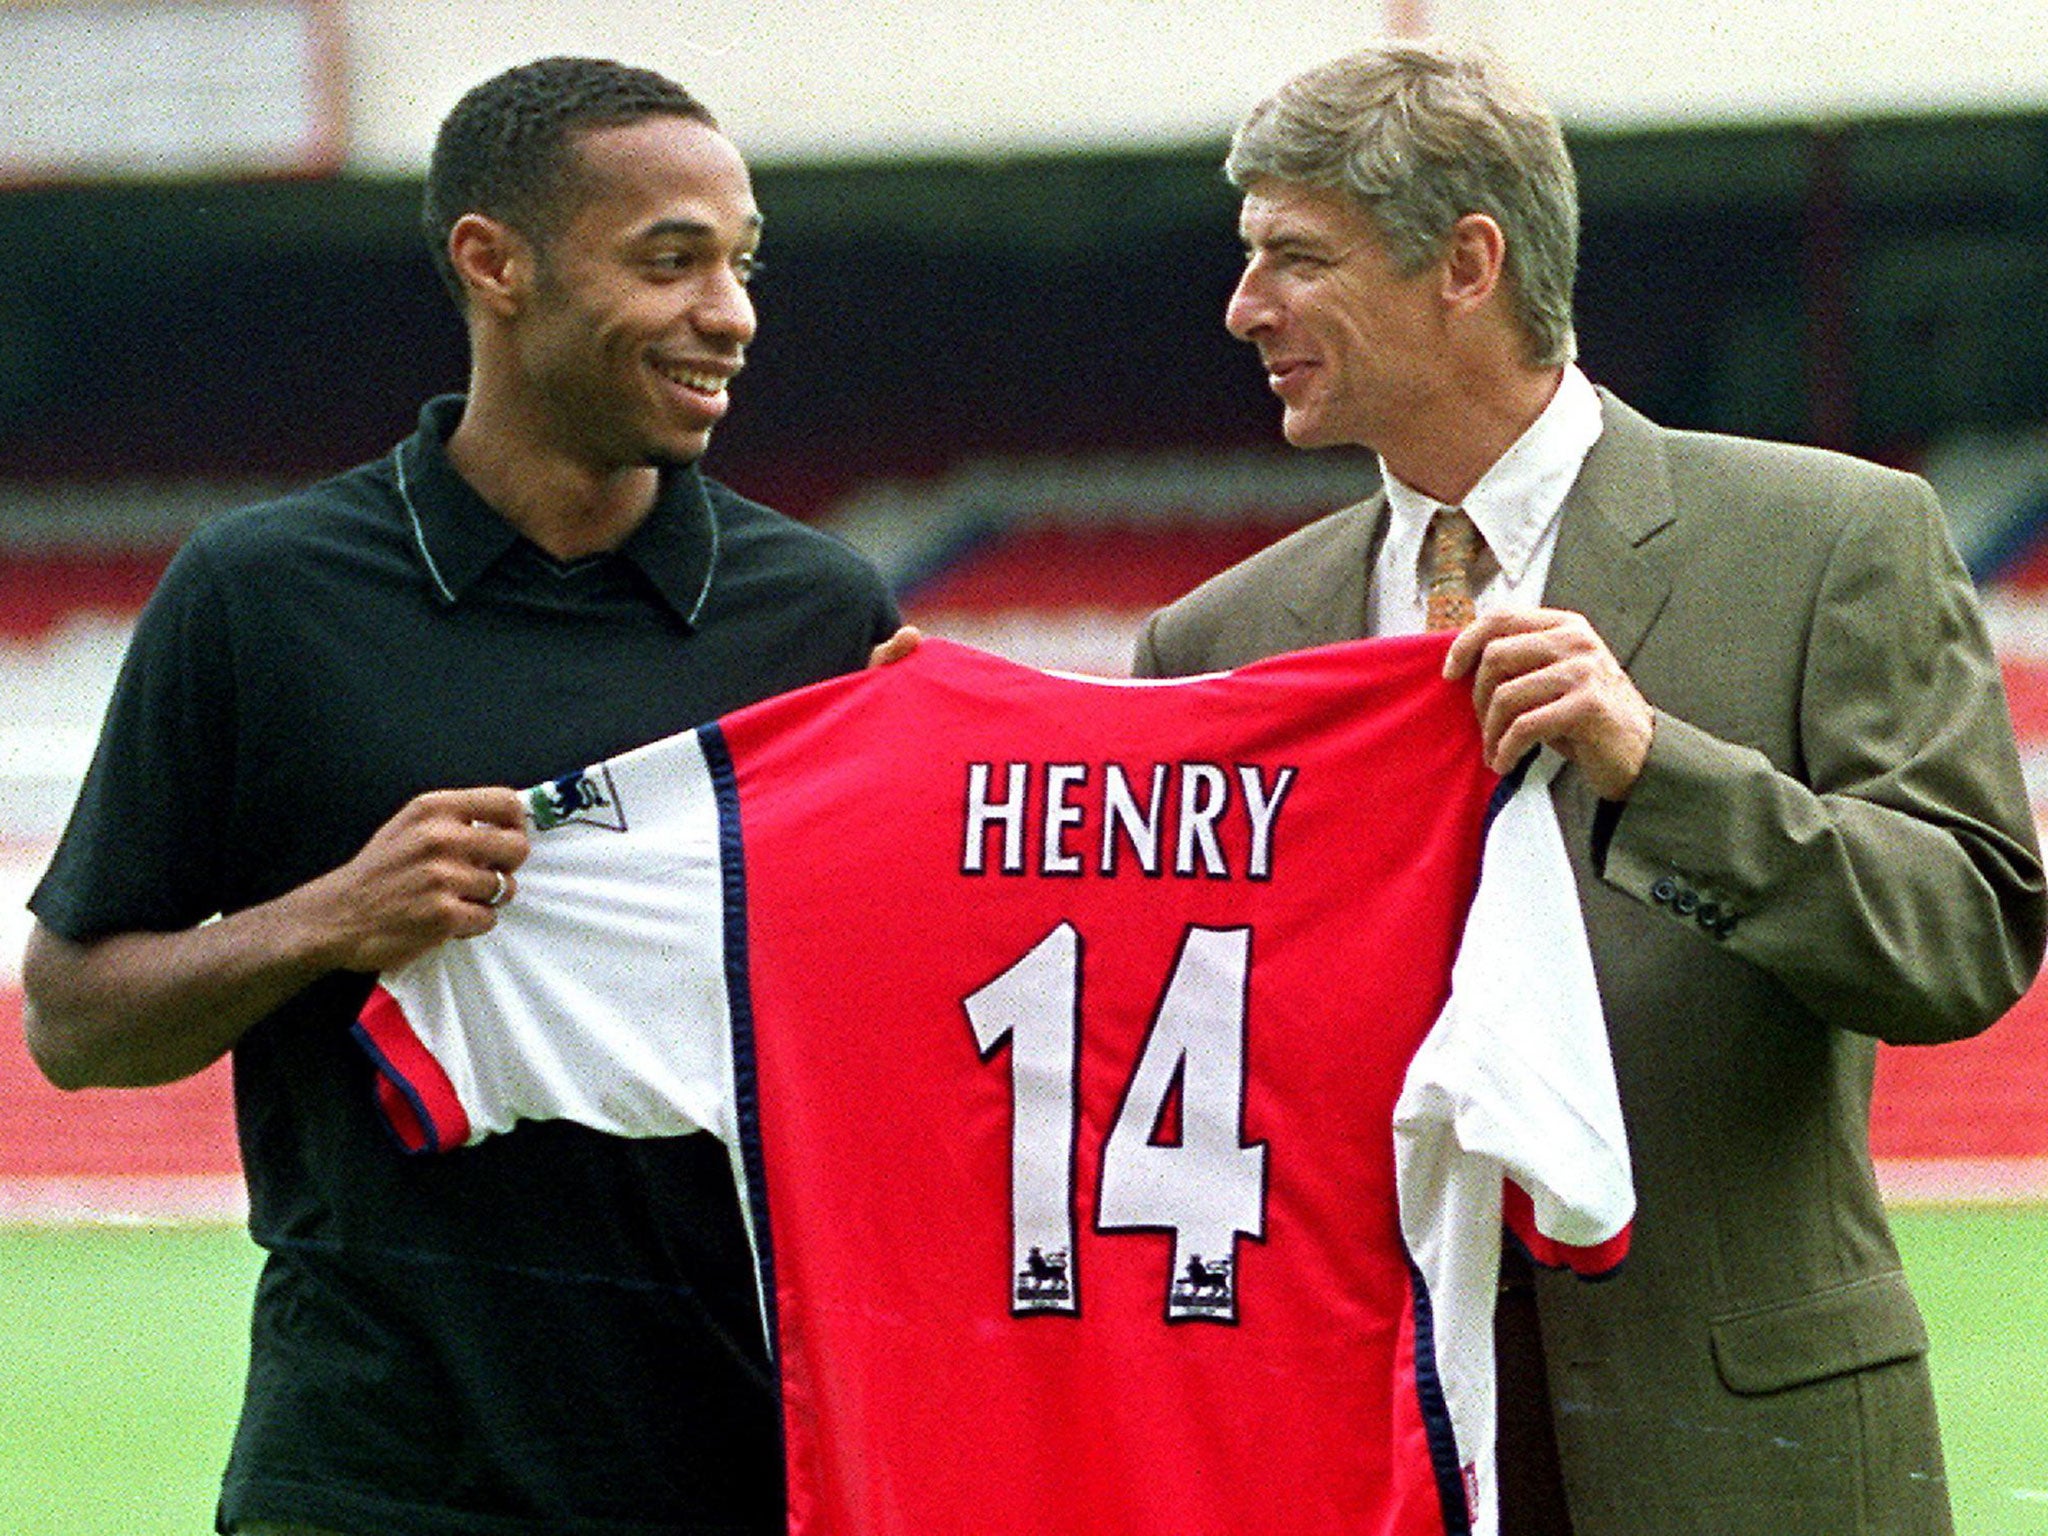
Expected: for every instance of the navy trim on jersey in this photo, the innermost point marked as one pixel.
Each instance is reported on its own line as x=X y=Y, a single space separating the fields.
x=1510 y=781
x=392 y=1081
x=739 y=990
x=1436 y=1413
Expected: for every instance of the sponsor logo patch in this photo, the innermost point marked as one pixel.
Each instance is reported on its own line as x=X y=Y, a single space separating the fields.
x=587 y=798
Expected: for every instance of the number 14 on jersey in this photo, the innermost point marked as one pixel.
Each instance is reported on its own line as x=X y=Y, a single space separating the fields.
x=1207 y=1187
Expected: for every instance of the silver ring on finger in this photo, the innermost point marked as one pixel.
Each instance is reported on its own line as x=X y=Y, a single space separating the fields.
x=503 y=891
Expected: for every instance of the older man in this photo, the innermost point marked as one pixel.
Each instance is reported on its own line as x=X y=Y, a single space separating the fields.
x=1795 y=807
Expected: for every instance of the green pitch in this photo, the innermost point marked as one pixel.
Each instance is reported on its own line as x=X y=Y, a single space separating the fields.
x=121 y=1360
x=1982 y=1280
x=121 y=1357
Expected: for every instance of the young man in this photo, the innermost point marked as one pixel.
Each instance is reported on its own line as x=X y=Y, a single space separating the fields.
x=1796 y=813
x=560 y=1335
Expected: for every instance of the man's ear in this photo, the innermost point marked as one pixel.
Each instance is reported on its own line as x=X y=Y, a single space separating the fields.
x=493 y=260
x=1475 y=262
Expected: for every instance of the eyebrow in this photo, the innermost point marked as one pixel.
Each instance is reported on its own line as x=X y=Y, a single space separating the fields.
x=692 y=229
x=1285 y=239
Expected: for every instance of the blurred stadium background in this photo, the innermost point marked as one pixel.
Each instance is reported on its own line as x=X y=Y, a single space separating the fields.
x=991 y=354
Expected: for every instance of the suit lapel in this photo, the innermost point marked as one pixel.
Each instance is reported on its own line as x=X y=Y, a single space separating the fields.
x=1611 y=563
x=1329 y=599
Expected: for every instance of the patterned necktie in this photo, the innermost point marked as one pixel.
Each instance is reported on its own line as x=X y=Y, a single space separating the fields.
x=1453 y=545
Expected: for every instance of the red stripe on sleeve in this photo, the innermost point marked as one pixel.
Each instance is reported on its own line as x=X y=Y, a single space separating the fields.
x=1519 y=1212
x=413 y=1090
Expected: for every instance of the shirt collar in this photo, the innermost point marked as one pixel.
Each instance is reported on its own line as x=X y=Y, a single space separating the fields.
x=1521 y=494
x=459 y=536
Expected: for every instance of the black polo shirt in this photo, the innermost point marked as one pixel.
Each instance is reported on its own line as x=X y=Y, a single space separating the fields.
x=554 y=1332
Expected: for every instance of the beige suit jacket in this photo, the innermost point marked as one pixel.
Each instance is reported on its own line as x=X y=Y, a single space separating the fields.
x=1830 y=845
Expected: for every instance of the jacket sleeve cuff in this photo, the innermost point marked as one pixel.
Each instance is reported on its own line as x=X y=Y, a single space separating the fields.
x=1656 y=846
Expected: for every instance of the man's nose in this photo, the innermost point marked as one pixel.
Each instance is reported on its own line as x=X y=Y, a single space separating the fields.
x=725 y=309
x=1250 y=310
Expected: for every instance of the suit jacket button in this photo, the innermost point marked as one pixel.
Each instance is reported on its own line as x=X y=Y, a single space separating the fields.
x=1726 y=926
x=1686 y=902
x=1663 y=890
x=1709 y=915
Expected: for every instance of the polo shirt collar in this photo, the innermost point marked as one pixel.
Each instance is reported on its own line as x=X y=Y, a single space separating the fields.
x=459 y=536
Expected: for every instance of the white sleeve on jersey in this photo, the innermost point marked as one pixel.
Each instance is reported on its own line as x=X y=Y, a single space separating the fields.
x=1515 y=1080
x=1522 y=1044
x=600 y=996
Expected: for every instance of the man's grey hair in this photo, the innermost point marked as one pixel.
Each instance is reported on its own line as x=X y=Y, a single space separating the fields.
x=1422 y=134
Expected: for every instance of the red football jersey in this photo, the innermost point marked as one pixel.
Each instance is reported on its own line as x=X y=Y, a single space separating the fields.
x=1064 y=1032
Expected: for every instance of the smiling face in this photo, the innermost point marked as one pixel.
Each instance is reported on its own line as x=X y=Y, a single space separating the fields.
x=637 y=314
x=1355 y=349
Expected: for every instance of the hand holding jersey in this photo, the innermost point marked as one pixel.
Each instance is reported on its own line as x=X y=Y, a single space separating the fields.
x=896 y=647
x=1544 y=677
x=437 y=870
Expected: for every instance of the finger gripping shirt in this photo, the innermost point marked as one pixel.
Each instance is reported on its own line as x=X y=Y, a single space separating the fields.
x=1124 y=1076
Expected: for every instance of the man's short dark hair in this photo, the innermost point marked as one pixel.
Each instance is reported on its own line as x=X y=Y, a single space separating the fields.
x=507 y=148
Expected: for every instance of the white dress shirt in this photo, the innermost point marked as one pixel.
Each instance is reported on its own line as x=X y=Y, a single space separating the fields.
x=1515 y=507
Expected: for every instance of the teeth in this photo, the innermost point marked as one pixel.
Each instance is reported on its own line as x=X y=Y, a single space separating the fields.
x=689 y=378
